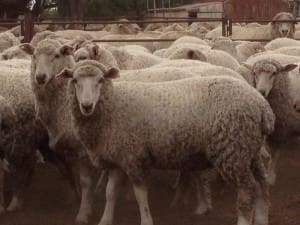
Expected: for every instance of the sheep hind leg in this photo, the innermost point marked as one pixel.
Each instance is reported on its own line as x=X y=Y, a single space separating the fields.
x=261 y=213
x=246 y=189
x=87 y=173
x=141 y=195
x=204 y=203
x=115 y=178
x=181 y=185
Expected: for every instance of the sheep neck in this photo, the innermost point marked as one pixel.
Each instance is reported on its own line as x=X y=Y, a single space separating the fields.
x=99 y=122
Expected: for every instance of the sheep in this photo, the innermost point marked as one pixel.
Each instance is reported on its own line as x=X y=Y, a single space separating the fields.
x=215 y=57
x=123 y=58
x=13 y=53
x=189 y=40
x=42 y=35
x=124 y=28
x=160 y=52
x=179 y=46
x=103 y=126
x=174 y=27
x=71 y=34
x=291 y=50
x=48 y=59
x=15 y=64
x=278 y=86
x=282 y=29
x=7 y=138
x=281 y=42
x=246 y=49
x=154 y=27
x=18 y=32
x=96 y=52
x=7 y=40
x=227 y=46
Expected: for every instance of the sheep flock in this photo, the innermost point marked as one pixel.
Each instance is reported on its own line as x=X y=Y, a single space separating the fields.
x=106 y=115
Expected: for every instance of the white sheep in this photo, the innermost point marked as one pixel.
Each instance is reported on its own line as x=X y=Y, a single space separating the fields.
x=7 y=40
x=290 y=50
x=101 y=114
x=49 y=58
x=189 y=40
x=273 y=80
x=13 y=53
x=281 y=42
x=280 y=28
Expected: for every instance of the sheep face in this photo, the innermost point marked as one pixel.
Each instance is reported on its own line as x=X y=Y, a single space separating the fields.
x=283 y=29
x=265 y=73
x=48 y=59
x=82 y=54
x=89 y=82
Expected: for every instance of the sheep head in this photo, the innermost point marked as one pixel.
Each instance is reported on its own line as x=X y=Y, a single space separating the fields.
x=89 y=79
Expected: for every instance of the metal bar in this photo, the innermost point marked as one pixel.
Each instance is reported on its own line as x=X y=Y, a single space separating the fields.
x=136 y=40
x=28 y=27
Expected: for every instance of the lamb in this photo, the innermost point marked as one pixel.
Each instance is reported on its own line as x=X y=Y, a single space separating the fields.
x=278 y=86
x=283 y=29
x=48 y=59
x=7 y=40
x=103 y=126
x=281 y=42
x=13 y=53
x=123 y=58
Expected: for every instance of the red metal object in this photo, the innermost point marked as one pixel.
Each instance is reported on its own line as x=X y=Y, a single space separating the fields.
x=255 y=9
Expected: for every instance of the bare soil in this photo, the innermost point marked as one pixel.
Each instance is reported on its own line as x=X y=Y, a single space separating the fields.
x=49 y=200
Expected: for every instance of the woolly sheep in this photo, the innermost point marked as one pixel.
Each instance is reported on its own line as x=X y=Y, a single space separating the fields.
x=125 y=28
x=282 y=29
x=7 y=138
x=215 y=57
x=276 y=84
x=7 y=40
x=227 y=46
x=123 y=58
x=13 y=53
x=174 y=27
x=177 y=47
x=71 y=34
x=160 y=52
x=154 y=27
x=43 y=35
x=96 y=52
x=189 y=40
x=281 y=42
x=291 y=50
x=102 y=124
x=247 y=49
x=51 y=104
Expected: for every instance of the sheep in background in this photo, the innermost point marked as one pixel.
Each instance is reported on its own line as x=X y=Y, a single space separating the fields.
x=281 y=29
x=7 y=40
x=290 y=50
x=281 y=42
x=102 y=124
x=13 y=53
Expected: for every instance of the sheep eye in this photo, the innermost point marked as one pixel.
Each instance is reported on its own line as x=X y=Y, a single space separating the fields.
x=101 y=81
x=74 y=81
x=56 y=56
x=274 y=73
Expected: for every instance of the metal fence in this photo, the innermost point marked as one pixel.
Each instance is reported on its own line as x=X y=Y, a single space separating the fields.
x=27 y=25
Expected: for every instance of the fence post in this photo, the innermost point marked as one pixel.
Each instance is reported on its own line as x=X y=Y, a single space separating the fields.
x=230 y=27
x=28 y=27
x=224 y=27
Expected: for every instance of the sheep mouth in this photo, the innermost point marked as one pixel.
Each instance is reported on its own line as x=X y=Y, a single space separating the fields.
x=87 y=110
x=284 y=33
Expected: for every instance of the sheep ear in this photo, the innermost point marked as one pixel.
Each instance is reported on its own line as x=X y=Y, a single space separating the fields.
x=112 y=73
x=249 y=67
x=66 y=50
x=65 y=74
x=190 y=54
x=27 y=48
x=196 y=55
x=287 y=68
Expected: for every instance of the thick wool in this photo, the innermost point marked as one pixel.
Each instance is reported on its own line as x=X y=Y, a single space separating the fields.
x=275 y=26
x=281 y=42
x=7 y=40
x=290 y=50
x=13 y=53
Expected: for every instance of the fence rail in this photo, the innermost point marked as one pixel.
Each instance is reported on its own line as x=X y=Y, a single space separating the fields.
x=27 y=25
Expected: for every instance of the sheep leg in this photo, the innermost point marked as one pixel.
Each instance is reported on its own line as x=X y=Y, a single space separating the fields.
x=115 y=177
x=272 y=168
x=261 y=213
x=181 y=182
x=86 y=173
x=141 y=195
x=246 y=188
x=204 y=204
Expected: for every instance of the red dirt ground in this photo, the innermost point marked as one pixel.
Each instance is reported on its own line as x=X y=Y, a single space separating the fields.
x=49 y=201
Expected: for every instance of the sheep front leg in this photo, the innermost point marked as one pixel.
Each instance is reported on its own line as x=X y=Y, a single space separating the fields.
x=115 y=178
x=86 y=173
x=141 y=195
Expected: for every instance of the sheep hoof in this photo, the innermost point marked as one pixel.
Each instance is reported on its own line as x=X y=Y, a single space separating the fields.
x=81 y=220
x=271 y=178
x=14 y=206
x=202 y=210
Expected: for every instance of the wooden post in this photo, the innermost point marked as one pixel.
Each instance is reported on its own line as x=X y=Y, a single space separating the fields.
x=28 y=27
x=230 y=27
x=224 y=26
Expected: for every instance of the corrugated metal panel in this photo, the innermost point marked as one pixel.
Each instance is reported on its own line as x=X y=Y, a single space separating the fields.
x=255 y=9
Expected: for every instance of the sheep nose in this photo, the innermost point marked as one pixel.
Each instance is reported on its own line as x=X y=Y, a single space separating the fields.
x=87 y=107
x=296 y=107
x=41 y=78
x=285 y=32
